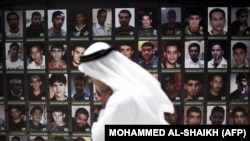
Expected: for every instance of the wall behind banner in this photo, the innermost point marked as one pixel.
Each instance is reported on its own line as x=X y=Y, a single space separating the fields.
x=178 y=75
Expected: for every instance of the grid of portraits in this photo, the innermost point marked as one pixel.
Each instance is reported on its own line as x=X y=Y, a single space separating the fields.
x=200 y=56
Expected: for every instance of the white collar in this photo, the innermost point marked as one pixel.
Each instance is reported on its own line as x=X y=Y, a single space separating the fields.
x=79 y=29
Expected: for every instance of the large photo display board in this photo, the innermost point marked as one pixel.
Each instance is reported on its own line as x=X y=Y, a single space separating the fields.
x=199 y=55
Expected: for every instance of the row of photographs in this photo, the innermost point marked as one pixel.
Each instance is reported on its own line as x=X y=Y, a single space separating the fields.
x=41 y=118
x=76 y=88
x=78 y=119
x=168 y=21
x=150 y=54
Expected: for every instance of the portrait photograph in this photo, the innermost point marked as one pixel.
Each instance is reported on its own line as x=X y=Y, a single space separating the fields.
x=13 y=24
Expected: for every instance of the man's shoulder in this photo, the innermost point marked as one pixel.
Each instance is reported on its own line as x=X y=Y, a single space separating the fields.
x=120 y=27
x=28 y=27
x=235 y=91
x=19 y=60
x=234 y=95
x=94 y=26
x=131 y=27
x=31 y=65
x=188 y=60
